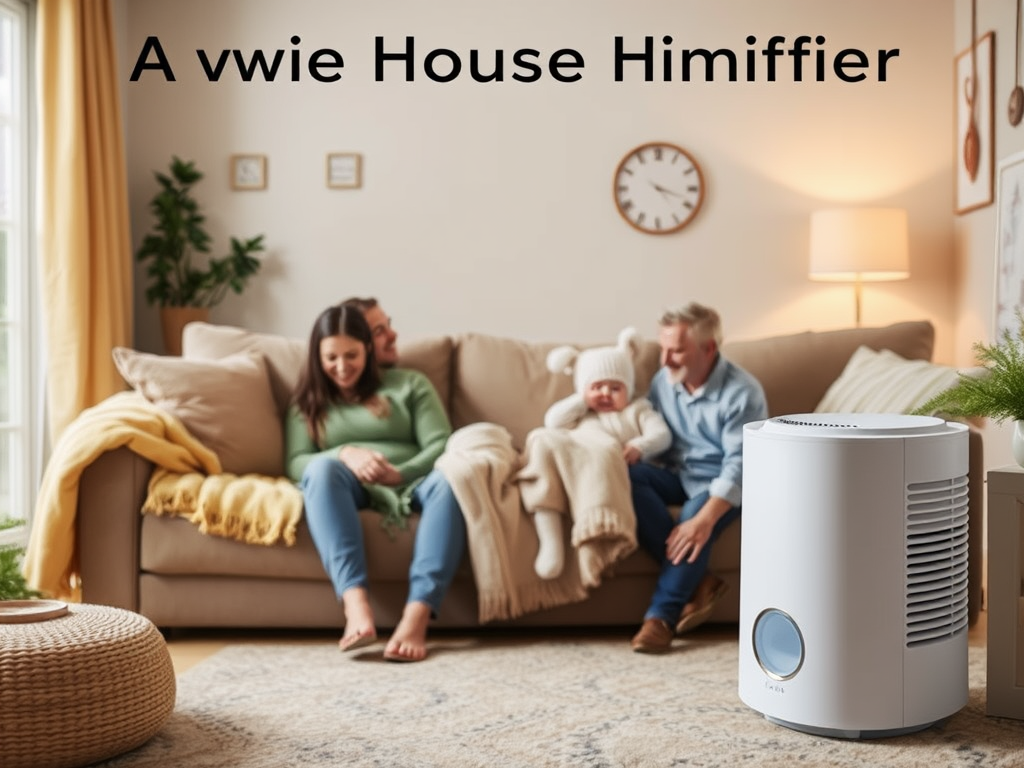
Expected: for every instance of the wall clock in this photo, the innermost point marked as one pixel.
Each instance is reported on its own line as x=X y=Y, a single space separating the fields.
x=658 y=188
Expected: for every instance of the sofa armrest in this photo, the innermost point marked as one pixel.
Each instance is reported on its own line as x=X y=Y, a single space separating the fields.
x=111 y=492
x=976 y=518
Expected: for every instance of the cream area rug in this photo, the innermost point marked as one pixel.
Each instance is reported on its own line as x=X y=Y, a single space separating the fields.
x=521 y=700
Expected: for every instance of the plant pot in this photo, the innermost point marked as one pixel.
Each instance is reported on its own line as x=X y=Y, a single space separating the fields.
x=1017 y=442
x=174 y=319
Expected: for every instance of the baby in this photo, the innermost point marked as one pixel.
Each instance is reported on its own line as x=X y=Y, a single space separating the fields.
x=579 y=431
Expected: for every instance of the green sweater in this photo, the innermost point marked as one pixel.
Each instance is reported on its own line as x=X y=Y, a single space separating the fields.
x=412 y=436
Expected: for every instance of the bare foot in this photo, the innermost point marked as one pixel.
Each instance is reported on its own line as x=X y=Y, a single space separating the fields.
x=409 y=640
x=360 y=630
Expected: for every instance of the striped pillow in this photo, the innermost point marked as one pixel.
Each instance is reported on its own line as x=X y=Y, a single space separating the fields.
x=883 y=382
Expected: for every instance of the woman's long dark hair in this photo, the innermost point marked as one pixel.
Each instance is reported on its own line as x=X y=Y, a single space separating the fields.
x=316 y=392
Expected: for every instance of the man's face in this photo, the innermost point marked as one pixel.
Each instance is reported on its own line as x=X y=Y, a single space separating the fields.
x=385 y=339
x=687 y=360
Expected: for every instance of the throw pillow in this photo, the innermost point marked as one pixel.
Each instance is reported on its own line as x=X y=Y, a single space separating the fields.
x=226 y=404
x=883 y=382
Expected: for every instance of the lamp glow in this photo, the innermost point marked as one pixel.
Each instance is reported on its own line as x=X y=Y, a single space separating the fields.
x=859 y=245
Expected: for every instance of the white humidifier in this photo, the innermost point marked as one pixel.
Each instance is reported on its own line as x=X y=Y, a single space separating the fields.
x=853 y=599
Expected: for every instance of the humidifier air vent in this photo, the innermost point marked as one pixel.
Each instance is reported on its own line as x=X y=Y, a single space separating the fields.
x=936 y=560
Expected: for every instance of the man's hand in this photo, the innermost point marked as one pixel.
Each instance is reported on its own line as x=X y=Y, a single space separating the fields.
x=687 y=539
x=369 y=466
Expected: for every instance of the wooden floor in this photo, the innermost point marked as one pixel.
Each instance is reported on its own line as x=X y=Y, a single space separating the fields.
x=188 y=648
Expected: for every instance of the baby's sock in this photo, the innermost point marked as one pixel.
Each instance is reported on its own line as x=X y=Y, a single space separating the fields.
x=551 y=555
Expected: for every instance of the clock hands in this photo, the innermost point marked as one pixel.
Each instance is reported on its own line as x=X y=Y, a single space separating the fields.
x=665 y=192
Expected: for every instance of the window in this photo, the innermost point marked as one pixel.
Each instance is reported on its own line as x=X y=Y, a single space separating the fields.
x=18 y=423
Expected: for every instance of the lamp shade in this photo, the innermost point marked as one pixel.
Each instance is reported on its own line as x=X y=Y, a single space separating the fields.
x=850 y=244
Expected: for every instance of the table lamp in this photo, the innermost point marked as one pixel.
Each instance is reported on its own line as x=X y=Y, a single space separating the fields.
x=858 y=245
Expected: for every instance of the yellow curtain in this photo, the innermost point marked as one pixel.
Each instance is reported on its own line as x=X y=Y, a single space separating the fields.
x=86 y=264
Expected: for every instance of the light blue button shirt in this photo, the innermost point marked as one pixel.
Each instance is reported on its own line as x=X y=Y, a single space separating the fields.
x=707 y=427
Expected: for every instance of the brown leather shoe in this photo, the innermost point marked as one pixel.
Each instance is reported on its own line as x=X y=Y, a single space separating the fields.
x=705 y=597
x=655 y=636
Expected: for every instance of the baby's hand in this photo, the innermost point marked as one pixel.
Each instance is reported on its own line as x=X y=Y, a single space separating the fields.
x=631 y=454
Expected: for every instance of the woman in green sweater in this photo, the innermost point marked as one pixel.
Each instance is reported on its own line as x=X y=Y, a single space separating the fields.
x=356 y=437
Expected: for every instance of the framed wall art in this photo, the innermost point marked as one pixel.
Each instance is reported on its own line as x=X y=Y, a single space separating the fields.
x=973 y=150
x=248 y=171
x=344 y=170
x=1009 y=283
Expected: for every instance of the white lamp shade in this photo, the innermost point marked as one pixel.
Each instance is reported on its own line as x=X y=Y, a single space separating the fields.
x=850 y=244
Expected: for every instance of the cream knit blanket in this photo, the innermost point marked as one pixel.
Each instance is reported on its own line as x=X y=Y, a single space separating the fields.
x=482 y=468
x=582 y=474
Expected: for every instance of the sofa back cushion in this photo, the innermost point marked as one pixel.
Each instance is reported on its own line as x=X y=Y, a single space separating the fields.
x=286 y=357
x=507 y=382
x=796 y=370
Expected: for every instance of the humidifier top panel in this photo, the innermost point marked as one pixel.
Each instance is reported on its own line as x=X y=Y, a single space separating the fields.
x=857 y=425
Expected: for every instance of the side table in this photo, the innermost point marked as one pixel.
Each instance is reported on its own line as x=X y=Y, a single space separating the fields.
x=1005 y=672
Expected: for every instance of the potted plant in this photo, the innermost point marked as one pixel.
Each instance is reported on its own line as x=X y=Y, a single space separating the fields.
x=183 y=286
x=996 y=392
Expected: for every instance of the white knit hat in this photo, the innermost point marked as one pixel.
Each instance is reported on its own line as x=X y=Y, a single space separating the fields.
x=599 y=363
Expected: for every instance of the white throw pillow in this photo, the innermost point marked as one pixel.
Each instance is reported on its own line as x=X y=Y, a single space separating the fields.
x=883 y=382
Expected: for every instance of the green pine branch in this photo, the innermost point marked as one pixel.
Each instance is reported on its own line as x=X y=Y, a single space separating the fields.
x=997 y=392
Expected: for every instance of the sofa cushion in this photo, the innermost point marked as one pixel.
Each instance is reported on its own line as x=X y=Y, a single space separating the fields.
x=506 y=381
x=286 y=357
x=883 y=382
x=226 y=404
x=797 y=369
x=433 y=358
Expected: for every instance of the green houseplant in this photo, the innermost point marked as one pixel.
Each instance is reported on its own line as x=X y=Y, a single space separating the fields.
x=184 y=281
x=12 y=582
x=996 y=392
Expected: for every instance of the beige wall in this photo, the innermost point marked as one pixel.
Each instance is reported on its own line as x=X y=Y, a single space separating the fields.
x=975 y=232
x=488 y=207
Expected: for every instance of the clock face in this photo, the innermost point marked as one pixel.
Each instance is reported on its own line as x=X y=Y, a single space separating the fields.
x=658 y=188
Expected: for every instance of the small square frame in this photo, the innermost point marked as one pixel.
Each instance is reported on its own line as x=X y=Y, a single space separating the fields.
x=248 y=171
x=344 y=170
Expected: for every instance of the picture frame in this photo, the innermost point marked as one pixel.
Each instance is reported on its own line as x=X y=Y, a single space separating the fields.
x=975 y=104
x=1009 y=257
x=344 y=170
x=248 y=171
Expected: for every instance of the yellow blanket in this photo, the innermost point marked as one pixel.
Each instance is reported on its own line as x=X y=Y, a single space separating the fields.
x=255 y=509
x=127 y=419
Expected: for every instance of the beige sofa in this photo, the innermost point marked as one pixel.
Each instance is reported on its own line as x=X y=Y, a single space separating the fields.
x=167 y=570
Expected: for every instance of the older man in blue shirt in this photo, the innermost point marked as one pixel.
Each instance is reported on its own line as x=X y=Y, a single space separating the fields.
x=706 y=400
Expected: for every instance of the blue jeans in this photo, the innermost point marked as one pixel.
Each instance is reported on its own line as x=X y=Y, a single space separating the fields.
x=654 y=490
x=333 y=497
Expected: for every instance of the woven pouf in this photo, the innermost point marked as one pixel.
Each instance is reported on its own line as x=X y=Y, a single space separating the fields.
x=81 y=687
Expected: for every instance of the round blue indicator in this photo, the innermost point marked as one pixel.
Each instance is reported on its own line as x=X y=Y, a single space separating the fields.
x=778 y=644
